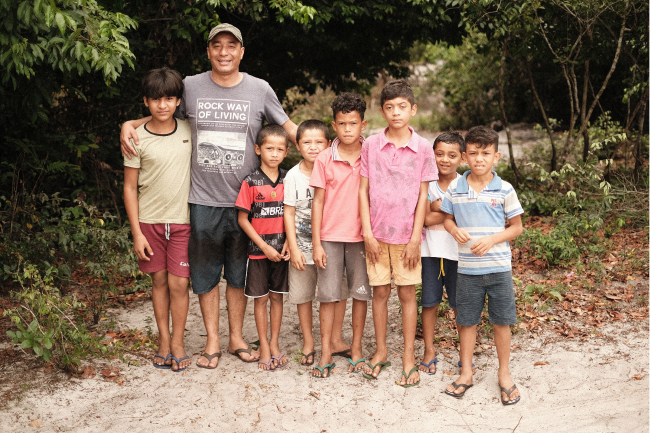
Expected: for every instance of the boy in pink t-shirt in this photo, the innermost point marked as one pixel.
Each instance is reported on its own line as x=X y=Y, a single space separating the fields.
x=396 y=168
x=338 y=247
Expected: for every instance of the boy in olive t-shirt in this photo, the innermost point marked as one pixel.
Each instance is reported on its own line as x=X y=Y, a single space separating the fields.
x=156 y=189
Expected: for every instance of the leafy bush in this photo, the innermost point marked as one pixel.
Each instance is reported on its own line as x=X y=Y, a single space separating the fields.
x=49 y=323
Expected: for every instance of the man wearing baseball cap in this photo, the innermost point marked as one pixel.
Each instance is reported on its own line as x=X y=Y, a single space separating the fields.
x=226 y=109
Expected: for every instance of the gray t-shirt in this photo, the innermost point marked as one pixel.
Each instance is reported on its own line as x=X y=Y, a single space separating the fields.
x=299 y=194
x=225 y=122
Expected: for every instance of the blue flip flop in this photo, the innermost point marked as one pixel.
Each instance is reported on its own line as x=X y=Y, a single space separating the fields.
x=354 y=365
x=178 y=361
x=434 y=361
x=162 y=366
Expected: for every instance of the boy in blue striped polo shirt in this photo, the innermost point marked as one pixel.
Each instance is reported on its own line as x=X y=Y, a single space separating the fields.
x=478 y=205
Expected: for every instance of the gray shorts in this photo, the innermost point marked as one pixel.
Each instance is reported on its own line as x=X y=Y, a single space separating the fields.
x=348 y=258
x=470 y=298
x=303 y=285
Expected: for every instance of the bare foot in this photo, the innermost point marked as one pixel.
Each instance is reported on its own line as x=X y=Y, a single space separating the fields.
x=505 y=381
x=427 y=359
x=466 y=379
x=212 y=346
x=408 y=363
x=307 y=355
x=356 y=355
x=322 y=371
x=254 y=355
x=179 y=354
x=376 y=359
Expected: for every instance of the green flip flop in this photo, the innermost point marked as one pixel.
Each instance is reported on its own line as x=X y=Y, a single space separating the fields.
x=383 y=365
x=329 y=368
x=408 y=385
x=354 y=364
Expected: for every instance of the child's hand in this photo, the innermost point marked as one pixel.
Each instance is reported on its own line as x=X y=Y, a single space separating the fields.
x=435 y=205
x=482 y=246
x=320 y=258
x=411 y=255
x=461 y=235
x=141 y=247
x=298 y=260
x=286 y=253
x=373 y=249
x=272 y=253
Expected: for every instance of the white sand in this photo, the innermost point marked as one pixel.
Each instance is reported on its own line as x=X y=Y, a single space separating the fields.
x=587 y=387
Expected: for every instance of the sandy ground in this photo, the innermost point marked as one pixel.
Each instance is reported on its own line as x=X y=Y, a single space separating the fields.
x=586 y=387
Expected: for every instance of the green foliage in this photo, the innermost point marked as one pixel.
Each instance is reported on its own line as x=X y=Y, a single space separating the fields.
x=47 y=322
x=466 y=76
x=572 y=238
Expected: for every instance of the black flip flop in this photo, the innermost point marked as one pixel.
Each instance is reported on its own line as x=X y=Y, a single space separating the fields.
x=343 y=353
x=456 y=386
x=312 y=354
x=508 y=392
x=248 y=350
x=209 y=357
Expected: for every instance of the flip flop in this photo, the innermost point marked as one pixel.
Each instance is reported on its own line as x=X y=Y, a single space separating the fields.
x=434 y=361
x=343 y=353
x=209 y=357
x=329 y=368
x=178 y=361
x=456 y=386
x=508 y=392
x=162 y=366
x=383 y=365
x=408 y=385
x=268 y=364
x=306 y=357
x=248 y=350
x=354 y=365
x=278 y=358
x=460 y=364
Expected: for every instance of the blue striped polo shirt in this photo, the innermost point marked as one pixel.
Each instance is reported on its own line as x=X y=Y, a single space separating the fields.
x=482 y=214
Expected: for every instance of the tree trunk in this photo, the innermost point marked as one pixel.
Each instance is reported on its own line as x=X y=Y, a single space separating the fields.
x=638 y=161
x=546 y=123
x=504 y=118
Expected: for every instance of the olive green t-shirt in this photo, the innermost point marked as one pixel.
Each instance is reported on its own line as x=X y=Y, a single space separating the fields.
x=164 y=163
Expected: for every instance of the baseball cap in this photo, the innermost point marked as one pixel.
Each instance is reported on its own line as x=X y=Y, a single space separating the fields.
x=225 y=27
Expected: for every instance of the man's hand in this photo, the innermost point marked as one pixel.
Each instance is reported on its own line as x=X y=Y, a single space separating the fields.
x=461 y=235
x=272 y=253
x=298 y=260
x=141 y=247
x=128 y=133
x=482 y=246
x=373 y=249
x=320 y=258
x=411 y=255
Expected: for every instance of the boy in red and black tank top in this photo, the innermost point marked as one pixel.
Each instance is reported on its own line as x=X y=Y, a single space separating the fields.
x=261 y=215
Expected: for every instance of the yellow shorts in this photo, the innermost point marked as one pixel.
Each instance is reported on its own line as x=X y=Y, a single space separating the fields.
x=389 y=261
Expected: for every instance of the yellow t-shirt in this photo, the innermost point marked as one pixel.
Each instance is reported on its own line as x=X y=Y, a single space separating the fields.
x=164 y=174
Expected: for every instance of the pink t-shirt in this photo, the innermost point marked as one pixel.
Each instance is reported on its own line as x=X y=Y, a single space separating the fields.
x=340 y=180
x=394 y=175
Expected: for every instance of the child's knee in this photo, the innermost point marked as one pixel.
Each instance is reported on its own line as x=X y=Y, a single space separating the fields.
x=276 y=298
x=261 y=301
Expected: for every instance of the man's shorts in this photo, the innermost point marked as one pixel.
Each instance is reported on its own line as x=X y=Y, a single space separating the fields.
x=380 y=273
x=470 y=298
x=433 y=278
x=303 y=285
x=348 y=258
x=169 y=245
x=217 y=243
x=264 y=276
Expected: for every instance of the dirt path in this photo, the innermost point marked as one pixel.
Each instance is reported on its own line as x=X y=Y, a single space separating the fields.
x=587 y=386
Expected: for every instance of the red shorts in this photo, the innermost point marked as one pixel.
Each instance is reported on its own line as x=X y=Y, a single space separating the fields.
x=169 y=245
